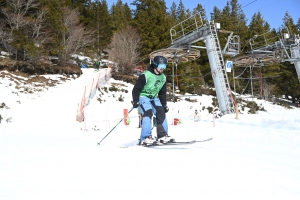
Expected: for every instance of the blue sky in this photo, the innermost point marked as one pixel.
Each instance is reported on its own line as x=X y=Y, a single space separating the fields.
x=272 y=11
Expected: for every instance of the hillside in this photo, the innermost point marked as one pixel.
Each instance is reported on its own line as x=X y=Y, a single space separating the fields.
x=47 y=154
x=18 y=81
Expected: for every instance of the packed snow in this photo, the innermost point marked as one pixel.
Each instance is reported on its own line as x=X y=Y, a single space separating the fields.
x=45 y=154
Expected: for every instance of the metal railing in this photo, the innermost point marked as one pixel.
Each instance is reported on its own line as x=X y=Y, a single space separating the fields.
x=191 y=24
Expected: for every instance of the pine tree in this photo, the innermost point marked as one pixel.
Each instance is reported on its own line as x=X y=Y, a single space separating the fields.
x=199 y=8
x=53 y=22
x=151 y=19
x=172 y=17
x=298 y=25
x=172 y=11
x=289 y=26
x=216 y=14
x=101 y=23
x=231 y=18
x=259 y=30
x=289 y=83
x=120 y=15
x=82 y=6
x=181 y=13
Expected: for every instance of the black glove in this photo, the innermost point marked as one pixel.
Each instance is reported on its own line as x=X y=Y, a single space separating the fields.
x=135 y=104
x=166 y=109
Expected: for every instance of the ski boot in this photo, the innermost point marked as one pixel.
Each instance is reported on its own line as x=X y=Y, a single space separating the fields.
x=148 y=141
x=166 y=139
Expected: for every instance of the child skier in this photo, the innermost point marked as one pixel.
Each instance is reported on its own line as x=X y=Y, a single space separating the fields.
x=149 y=96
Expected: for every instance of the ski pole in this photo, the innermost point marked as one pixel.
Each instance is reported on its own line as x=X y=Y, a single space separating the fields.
x=115 y=126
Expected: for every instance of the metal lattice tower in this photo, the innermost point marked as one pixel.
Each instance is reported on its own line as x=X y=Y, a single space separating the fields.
x=218 y=70
x=192 y=30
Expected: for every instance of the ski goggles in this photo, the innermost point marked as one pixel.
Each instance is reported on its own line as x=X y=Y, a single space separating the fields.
x=161 y=66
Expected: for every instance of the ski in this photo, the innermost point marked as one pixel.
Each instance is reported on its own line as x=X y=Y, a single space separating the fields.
x=204 y=140
x=176 y=143
x=170 y=143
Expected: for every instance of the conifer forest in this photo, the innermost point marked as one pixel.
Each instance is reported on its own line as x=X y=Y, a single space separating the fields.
x=126 y=34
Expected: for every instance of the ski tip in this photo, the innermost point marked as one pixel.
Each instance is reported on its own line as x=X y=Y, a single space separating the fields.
x=204 y=140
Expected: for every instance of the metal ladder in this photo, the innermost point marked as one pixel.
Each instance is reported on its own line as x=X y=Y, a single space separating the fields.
x=222 y=68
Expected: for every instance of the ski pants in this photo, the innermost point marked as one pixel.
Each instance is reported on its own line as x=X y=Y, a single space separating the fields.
x=147 y=108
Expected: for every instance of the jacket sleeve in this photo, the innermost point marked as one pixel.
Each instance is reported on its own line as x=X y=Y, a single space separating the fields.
x=162 y=95
x=139 y=85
